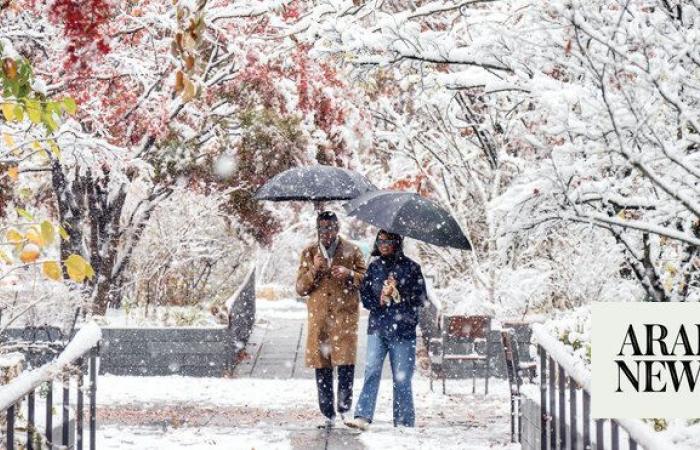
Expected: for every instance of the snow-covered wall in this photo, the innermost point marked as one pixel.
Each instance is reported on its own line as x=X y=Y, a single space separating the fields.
x=182 y=351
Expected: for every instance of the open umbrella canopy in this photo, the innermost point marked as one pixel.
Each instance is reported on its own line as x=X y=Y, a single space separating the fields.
x=314 y=183
x=409 y=214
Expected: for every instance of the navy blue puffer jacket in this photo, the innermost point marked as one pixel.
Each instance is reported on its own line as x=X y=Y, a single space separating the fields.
x=395 y=321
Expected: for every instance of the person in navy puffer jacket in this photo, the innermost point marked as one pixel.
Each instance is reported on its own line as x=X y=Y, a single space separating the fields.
x=392 y=290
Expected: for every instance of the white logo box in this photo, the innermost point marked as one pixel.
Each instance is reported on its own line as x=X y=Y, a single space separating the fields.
x=645 y=360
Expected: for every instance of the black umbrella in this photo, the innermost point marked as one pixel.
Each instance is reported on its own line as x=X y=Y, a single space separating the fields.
x=409 y=214
x=314 y=183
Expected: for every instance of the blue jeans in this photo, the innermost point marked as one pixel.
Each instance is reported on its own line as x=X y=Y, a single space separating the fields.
x=402 y=356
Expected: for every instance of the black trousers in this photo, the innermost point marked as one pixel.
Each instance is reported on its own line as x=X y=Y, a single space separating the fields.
x=324 y=384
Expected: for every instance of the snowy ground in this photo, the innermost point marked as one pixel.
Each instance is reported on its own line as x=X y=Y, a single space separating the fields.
x=253 y=413
x=182 y=412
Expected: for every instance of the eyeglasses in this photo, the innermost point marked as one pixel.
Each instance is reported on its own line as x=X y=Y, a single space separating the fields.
x=327 y=229
x=387 y=241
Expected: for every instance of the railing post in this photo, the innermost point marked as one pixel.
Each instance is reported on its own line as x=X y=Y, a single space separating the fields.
x=65 y=429
x=572 y=414
x=586 y=421
x=561 y=413
x=80 y=406
x=614 y=435
x=552 y=405
x=543 y=397
x=30 y=420
x=512 y=419
x=599 y=444
x=93 y=398
x=49 y=415
x=11 y=428
x=632 y=444
x=58 y=371
x=570 y=369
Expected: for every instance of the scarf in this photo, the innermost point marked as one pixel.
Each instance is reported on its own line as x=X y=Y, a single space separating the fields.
x=329 y=252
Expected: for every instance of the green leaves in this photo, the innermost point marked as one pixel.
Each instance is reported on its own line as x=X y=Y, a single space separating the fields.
x=38 y=111
x=19 y=113
x=69 y=105
x=21 y=101
x=47 y=232
x=25 y=214
x=16 y=77
x=33 y=109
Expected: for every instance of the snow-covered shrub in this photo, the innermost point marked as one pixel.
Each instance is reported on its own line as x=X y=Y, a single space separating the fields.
x=190 y=254
x=27 y=298
x=573 y=328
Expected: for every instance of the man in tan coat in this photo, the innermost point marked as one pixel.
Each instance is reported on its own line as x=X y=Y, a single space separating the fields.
x=330 y=273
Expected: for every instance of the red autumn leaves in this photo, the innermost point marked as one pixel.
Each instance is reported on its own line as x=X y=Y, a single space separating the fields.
x=83 y=23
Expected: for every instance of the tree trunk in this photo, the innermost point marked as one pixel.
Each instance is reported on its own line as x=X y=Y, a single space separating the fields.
x=92 y=219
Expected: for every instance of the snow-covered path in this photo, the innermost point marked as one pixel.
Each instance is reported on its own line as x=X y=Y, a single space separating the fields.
x=278 y=409
x=183 y=412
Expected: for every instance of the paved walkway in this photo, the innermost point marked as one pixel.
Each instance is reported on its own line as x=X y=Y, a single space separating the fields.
x=276 y=350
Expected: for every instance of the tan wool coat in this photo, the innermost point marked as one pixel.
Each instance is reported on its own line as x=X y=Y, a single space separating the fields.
x=333 y=306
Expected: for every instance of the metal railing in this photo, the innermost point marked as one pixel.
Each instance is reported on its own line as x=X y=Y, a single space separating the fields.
x=18 y=399
x=565 y=380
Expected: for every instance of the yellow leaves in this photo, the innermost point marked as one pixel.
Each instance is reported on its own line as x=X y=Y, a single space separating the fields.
x=54 y=148
x=185 y=86
x=671 y=269
x=13 y=236
x=13 y=111
x=13 y=173
x=52 y=270
x=47 y=232
x=48 y=120
x=29 y=253
x=78 y=269
x=32 y=245
x=19 y=113
x=179 y=81
x=42 y=235
x=70 y=106
x=189 y=41
x=184 y=47
x=4 y=258
x=671 y=272
x=36 y=145
x=9 y=140
x=63 y=233
x=668 y=284
x=8 y=110
x=628 y=214
x=34 y=111
x=38 y=111
x=25 y=214
x=34 y=237
x=190 y=90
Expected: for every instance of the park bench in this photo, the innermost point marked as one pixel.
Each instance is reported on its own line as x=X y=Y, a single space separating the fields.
x=469 y=332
